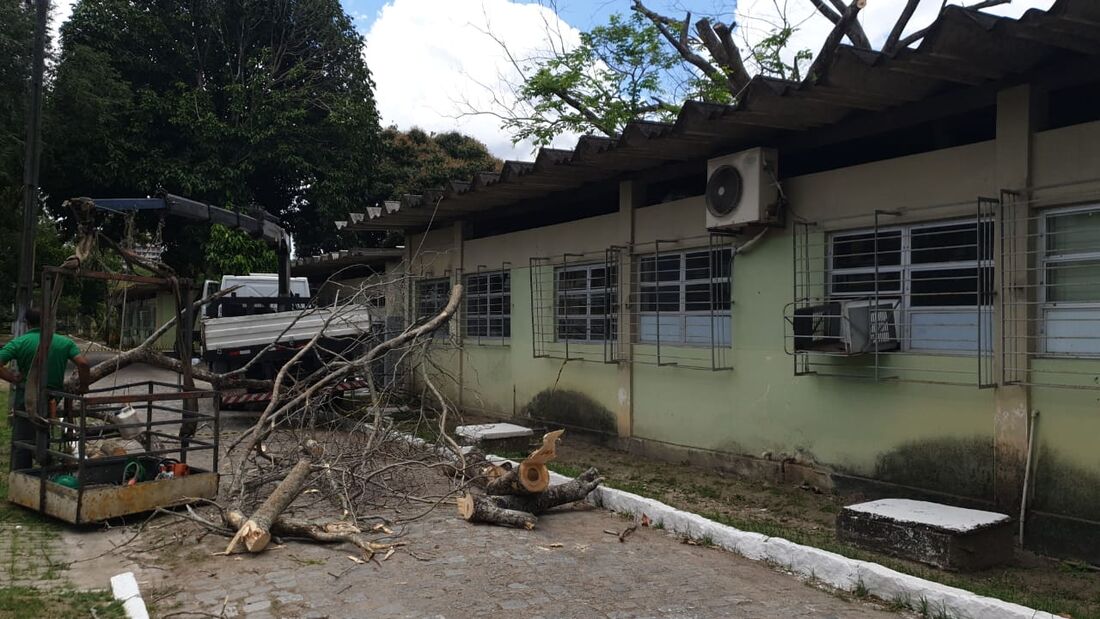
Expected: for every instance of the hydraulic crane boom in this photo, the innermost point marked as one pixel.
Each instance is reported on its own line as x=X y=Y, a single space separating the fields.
x=259 y=224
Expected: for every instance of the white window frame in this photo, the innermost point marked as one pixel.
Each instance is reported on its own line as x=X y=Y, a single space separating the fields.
x=486 y=295
x=610 y=317
x=905 y=268
x=683 y=315
x=1046 y=306
x=423 y=284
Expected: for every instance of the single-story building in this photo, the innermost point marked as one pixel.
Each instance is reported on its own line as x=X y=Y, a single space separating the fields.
x=896 y=291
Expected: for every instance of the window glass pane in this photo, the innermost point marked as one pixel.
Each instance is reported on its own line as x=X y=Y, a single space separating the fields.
x=475 y=326
x=1075 y=281
x=889 y=282
x=598 y=306
x=647 y=269
x=697 y=265
x=1073 y=233
x=596 y=328
x=475 y=284
x=944 y=287
x=496 y=306
x=496 y=327
x=598 y=280
x=852 y=251
x=571 y=329
x=496 y=283
x=571 y=280
x=668 y=268
x=951 y=243
x=697 y=297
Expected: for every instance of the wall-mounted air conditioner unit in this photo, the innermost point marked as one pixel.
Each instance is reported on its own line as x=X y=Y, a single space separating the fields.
x=743 y=189
x=848 y=327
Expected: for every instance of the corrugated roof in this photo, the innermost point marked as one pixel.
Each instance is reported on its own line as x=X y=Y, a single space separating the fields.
x=962 y=49
x=342 y=258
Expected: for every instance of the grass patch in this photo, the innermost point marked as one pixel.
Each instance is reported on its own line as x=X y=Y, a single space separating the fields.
x=30 y=603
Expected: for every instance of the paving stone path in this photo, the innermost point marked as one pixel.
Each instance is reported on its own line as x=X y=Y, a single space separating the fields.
x=464 y=570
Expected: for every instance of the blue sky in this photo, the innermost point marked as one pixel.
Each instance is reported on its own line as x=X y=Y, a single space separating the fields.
x=582 y=14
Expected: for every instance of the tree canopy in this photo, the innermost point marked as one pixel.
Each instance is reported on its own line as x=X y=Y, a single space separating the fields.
x=643 y=67
x=233 y=102
x=415 y=160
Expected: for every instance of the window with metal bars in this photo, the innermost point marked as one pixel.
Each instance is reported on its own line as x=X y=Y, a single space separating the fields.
x=685 y=297
x=1070 y=281
x=585 y=297
x=940 y=273
x=431 y=298
x=488 y=304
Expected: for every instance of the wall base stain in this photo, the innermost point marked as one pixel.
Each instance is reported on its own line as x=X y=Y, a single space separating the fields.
x=958 y=466
x=572 y=410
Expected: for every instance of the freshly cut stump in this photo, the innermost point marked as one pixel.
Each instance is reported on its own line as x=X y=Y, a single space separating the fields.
x=480 y=508
x=525 y=479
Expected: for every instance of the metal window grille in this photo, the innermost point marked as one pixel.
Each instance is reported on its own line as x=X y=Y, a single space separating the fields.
x=575 y=305
x=681 y=301
x=488 y=306
x=584 y=295
x=431 y=298
x=1051 y=303
x=867 y=297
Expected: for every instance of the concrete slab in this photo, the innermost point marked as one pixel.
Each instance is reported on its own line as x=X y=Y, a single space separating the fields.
x=951 y=538
x=493 y=432
x=947 y=517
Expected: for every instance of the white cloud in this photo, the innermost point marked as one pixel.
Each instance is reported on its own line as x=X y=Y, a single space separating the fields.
x=431 y=57
x=60 y=10
x=757 y=18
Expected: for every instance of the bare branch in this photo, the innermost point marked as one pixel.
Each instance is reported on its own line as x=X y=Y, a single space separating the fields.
x=825 y=57
x=899 y=26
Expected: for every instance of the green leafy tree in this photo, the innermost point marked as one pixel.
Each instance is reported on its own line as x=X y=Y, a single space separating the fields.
x=415 y=160
x=231 y=252
x=233 y=102
x=643 y=67
x=616 y=74
x=16 y=46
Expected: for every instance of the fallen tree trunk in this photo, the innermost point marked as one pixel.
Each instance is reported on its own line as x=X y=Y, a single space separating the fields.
x=569 y=492
x=480 y=508
x=340 y=532
x=256 y=531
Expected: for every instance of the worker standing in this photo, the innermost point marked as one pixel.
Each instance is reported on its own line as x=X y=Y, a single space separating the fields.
x=22 y=350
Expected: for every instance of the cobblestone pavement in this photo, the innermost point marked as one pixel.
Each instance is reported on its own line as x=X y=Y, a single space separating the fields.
x=568 y=567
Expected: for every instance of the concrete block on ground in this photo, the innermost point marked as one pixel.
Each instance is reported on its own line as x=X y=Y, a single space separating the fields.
x=496 y=436
x=947 y=537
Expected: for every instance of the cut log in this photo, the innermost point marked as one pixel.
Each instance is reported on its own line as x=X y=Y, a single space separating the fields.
x=256 y=531
x=326 y=533
x=532 y=476
x=525 y=479
x=479 y=508
x=571 y=491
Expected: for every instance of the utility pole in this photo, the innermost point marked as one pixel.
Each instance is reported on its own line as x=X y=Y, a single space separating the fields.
x=25 y=287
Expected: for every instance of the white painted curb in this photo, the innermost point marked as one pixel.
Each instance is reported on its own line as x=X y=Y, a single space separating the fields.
x=808 y=562
x=125 y=589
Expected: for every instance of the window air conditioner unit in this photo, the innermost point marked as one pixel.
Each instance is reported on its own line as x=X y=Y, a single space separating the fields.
x=849 y=327
x=742 y=189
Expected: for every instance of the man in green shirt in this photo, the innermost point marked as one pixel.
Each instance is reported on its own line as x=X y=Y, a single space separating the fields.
x=22 y=350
